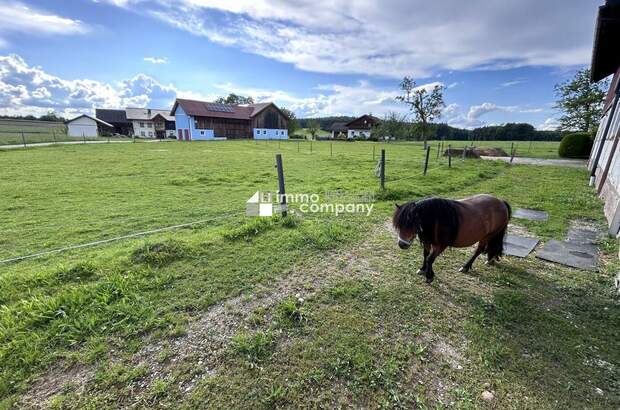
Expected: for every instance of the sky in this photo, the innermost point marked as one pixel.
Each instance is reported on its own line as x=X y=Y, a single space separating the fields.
x=498 y=60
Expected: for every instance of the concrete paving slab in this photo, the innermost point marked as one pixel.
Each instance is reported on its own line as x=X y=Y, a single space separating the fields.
x=581 y=256
x=520 y=246
x=530 y=214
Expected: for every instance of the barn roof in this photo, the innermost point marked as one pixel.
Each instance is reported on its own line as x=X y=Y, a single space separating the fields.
x=339 y=127
x=371 y=118
x=112 y=116
x=92 y=118
x=147 y=114
x=217 y=110
x=605 y=56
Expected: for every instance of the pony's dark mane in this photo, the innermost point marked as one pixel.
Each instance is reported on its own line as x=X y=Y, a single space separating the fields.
x=429 y=214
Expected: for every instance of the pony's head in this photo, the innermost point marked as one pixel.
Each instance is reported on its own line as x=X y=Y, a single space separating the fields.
x=406 y=223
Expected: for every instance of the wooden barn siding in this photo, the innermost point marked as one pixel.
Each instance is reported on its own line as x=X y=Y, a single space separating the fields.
x=225 y=127
x=270 y=118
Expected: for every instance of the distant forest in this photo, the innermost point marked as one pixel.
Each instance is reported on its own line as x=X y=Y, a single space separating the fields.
x=51 y=116
x=506 y=132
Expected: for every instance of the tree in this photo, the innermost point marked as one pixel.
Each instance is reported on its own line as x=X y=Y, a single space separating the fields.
x=234 y=99
x=293 y=124
x=313 y=128
x=393 y=125
x=426 y=106
x=581 y=102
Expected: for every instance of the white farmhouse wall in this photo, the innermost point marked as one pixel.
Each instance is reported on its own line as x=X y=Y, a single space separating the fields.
x=82 y=127
x=270 y=134
x=144 y=128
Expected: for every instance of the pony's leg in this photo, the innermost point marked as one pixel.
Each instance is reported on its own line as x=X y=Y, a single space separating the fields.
x=470 y=262
x=427 y=251
x=435 y=252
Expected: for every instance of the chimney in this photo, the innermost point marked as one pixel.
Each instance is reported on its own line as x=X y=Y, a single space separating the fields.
x=148 y=111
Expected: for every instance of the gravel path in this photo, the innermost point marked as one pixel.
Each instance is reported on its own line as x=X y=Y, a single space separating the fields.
x=572 y=163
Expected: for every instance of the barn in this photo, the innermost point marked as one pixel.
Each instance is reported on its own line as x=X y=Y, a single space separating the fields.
x=604 y=162
x=87 y=126
x=200 y=120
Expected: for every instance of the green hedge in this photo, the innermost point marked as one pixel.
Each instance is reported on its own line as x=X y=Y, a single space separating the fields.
x=577 y=145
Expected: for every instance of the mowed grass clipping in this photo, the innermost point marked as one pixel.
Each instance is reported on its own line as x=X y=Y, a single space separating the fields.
x=356 y=338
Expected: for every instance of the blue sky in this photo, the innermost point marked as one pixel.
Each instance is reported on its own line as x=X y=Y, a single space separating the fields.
x=498 y=61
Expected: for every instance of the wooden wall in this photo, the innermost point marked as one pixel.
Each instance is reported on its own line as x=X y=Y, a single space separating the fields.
x=270 y=118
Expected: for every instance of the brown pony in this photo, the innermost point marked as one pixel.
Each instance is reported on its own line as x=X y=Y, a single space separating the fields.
x=440 y=223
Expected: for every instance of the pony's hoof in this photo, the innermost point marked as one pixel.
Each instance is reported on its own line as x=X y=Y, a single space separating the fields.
x=464 y=269
x=421 y=272
x=490 y=263
x=429 y=280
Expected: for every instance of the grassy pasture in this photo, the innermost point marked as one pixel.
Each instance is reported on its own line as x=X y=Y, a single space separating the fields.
x=111 y=326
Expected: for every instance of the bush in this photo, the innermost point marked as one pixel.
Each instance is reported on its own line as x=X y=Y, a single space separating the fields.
x=577 y=145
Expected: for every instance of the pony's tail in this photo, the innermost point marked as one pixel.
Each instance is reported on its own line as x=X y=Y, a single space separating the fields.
x=509 y=208
x=495 y=247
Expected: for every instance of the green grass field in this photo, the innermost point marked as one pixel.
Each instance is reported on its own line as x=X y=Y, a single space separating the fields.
x=310 y=310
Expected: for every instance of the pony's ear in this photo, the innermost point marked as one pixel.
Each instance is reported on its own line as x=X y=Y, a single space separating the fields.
x=397 y=206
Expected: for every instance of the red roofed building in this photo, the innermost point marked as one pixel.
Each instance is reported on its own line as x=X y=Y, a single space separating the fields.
x=200 y=120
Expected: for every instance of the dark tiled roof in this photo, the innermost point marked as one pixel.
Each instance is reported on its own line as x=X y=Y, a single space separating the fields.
x=209 y=109
x=112 y=116
x=339 y=127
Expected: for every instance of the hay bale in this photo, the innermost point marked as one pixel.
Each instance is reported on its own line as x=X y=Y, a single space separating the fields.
x=491 y=152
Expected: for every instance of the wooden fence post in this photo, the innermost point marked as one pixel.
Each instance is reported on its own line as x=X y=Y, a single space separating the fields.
x=382 y=170
x=54 y=136
x=373 y=152
x=428 y=152
x=23 y=139
x=310 y=146
x=438 y=149
x=331 y=149
x=281 y=187
x=449 y=156
x=84 y=138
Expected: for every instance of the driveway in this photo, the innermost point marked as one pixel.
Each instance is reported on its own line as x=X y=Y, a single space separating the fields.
x=572 y=163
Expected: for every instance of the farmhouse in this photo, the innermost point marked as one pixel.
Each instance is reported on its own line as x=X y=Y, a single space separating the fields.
x=151 y=123
x=604 y=162
x=358 y=128
x=199 y=120
x=87 y=126
x=118 y=118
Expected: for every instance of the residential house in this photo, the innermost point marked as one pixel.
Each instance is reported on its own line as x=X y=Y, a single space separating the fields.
x=604 y=162
x=87 y=126
x=200 y=120
x=151 y=123
x=358 y=128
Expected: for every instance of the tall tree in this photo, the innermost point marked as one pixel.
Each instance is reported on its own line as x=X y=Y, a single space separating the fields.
x=581 y=102
x=313 y=128
x=234 y=99
x=425 y=105
x=393 y=125
x=293 y=124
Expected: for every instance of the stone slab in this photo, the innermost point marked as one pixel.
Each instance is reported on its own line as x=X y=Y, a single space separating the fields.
x=583 y=235
x=530 y=214
x=520 y=246
x=581 y=256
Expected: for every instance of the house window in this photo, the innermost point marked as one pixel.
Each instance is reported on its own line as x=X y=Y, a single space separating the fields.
x=141 y=125
x=202 y=133
x=150 y=134
x=149 y=124
x=142 y=133
x=196 y=124
x=264 y=132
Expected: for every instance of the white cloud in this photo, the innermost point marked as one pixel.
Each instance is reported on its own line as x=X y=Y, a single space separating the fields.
x=18 y=17
x=25 y=89
x=513 y=82
x=476 y=111
x=156 y=60
x=550 y=124
x=390 y=38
